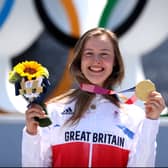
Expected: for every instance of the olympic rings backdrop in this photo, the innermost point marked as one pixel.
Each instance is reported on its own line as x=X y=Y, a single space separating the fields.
x=46 y=31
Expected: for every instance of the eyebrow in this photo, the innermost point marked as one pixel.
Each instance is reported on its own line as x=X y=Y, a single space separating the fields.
x=106 y=50
x=89 y=49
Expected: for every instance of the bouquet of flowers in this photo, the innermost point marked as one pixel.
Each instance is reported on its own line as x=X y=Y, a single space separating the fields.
x=31 y=81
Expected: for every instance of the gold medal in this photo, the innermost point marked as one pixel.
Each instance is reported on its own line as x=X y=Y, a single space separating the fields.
x=143 y=89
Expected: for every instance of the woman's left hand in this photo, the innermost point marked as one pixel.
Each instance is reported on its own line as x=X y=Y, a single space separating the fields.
x=154 y=105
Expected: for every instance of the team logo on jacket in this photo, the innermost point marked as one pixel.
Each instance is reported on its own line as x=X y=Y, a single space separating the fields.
x=67 y=111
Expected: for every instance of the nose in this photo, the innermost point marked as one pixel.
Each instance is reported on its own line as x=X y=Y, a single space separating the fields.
x=97 y=58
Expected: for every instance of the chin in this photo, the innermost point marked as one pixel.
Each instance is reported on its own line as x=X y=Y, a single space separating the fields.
x=97 y=83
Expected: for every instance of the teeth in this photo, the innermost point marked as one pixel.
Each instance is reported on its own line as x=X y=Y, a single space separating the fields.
x=96 y=69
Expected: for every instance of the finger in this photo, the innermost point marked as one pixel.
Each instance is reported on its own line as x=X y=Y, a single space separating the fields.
x=151 y=107
x=156 y=98
x=35 y=109
x=33 y=105
x=154 y=107
x=32 y=115
x=33 y=112
x=155 y=102
x=154 y=93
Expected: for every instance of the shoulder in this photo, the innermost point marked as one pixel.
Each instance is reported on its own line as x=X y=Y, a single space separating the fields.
x=58 y=105
x=132 y=108
x=134 y=113
x=62 y=98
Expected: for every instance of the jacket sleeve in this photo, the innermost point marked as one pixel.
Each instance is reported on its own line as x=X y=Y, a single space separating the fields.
x=144 y=147
x=36 y=150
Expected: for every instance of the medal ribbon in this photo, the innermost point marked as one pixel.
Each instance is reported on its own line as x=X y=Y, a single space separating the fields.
x=99 y=90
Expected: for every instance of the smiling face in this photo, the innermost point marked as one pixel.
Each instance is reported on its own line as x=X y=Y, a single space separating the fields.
x=97 y=59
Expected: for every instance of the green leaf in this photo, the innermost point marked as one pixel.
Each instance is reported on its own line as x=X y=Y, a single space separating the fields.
x=14 y=77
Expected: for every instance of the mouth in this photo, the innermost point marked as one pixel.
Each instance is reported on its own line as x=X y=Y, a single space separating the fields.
x=96 y=69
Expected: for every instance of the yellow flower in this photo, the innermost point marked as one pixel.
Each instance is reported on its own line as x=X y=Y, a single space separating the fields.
x=28 y=69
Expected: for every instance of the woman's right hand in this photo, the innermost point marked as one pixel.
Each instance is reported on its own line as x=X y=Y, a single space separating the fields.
x=34 y=110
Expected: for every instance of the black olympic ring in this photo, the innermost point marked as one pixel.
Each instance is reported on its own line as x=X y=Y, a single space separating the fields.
x=70 y=40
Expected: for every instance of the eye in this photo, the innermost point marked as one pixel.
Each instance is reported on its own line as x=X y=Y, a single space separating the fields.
x=104 y=55
x=88 y=54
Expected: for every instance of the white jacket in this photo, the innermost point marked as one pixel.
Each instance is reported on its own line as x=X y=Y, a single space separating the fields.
x=105 y=136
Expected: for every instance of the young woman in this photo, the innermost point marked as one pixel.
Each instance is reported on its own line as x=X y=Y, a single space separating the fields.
x=89 y=129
